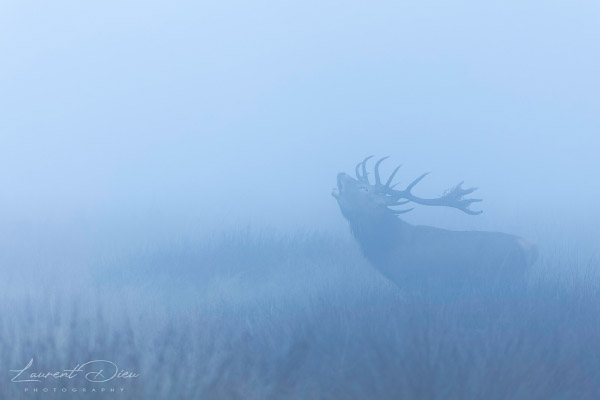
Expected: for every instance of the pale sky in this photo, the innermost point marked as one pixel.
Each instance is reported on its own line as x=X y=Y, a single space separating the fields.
x=246 y=111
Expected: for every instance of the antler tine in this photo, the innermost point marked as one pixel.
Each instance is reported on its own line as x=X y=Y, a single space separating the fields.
x=391 y=178
x=402 y=211
x=365 y=174
x=377 y=179
x=399 y=203
x=464 y=191
x=413 y=183
x=470 y=212
x=457 y=192
x=357 y=172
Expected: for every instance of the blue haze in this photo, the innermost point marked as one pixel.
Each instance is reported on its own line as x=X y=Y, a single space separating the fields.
x=246 y=111
x=168 y=166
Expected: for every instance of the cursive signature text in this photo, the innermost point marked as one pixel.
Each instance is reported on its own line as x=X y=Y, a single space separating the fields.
x=92 y=371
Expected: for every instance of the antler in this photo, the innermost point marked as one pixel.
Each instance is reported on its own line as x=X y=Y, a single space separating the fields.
x=453 y=197
x=364 y=177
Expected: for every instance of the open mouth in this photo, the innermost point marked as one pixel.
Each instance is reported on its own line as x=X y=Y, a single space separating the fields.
x=336 y=191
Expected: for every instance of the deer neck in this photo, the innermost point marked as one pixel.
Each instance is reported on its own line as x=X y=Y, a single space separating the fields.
x=379 y=235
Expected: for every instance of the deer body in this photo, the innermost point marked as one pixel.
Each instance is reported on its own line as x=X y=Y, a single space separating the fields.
x=408 y=254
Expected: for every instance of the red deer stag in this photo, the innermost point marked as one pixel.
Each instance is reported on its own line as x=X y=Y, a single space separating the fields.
x=409 y=254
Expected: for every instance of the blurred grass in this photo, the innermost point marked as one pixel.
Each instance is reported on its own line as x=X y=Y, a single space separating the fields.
x=257 y=314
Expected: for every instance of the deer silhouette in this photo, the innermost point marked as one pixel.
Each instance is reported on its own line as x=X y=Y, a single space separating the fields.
x=412 y=254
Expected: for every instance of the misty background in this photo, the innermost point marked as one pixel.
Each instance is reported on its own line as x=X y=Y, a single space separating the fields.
x=226 y=113
x=165 y=180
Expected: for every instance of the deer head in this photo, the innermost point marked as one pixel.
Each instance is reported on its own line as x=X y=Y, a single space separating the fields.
x=358 y=197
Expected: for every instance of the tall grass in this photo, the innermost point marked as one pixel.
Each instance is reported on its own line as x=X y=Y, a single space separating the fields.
x=264 y=315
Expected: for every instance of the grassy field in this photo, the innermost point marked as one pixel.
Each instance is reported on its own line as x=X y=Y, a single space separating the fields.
x=256 y=314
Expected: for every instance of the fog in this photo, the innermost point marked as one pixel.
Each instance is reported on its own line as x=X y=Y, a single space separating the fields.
x=193 y=146
x=236 y=112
